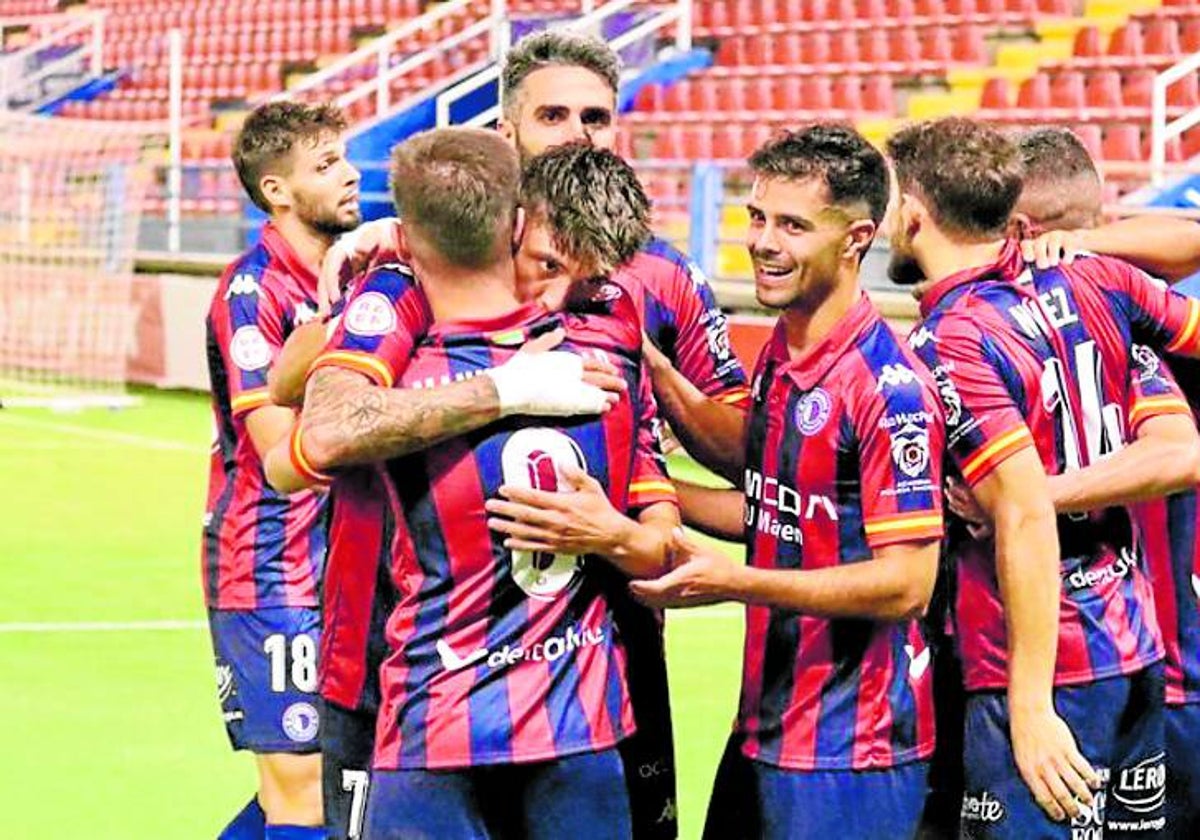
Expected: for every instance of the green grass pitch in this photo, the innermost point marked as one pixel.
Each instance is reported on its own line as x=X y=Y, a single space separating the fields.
x=108 y=698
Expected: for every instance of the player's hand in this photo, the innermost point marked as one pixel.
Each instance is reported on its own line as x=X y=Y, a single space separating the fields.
x=351 y=255
x=963 y=504
x=1052 y=248
x=577 y=519
x=698 y=576
x=540 y=381
x=1057 y=774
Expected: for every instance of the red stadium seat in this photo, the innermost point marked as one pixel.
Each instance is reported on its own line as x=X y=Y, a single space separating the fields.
x=789 y=49
x=649 y=98
x=905 y=47
x=1103 y=91
x=969 y=45
x=1034 y=93
x=717 y=14
x=706 y=94
x=1087 y=43
x=1185 y=93
x=731 y=52
x=844 y=10
x=1189 y=34
x=741 y=14
x=874 y=47
x=847 y=94
x=936 y=46
x=901 y=9
x=1092 y=138
x=844 y=47
x=789 y=93
x=1122 y=142
x=818 y=94
x=760 y=94
x=1067 y=91
x=1127 y=41
x=1136 y=88
x=676 y=98
x=878 y=96
x=816 y=48
x=872 y=10
x=996 y=95
x=733 y=95
x=668 y=142
x=698 y=143
x=1062 y=8
x=727 y=142
x=960 y=8
x=1162 y=37
x=760 y=50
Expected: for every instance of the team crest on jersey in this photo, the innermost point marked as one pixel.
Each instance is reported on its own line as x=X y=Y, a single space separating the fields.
x=369 y=314
x=813 y=411
x=249 y=349
x=301 y=722
x=532 y=458
x=910 y=450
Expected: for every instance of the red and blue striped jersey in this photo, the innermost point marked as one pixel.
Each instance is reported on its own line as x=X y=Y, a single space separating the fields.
x=502 y=657
x=1169 y=539
x=678 y=311
x=260 y=548
x=358 y=594
x=842 y=458
x=1043 y=360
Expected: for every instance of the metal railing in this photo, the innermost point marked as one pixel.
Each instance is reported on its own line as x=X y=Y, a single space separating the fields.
x=678 y=13
x=23 y=72
x=1162 y=130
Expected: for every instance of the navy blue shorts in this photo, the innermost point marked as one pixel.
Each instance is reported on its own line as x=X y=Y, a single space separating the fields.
x=1118 y=725
x=1183 y=771
x=347 y=742
x=752 y=800
x=267 y=677
x=580 y=797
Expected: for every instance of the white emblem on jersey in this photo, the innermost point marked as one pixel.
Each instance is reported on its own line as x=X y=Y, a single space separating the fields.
x=1196 y=585
x=893 y=375
x=371 y=313
x=917 y=662
x=249 y=349
x=301 y=722
x=812 y=411
x=304 y=313
x=910 y=450
x=451 y=661
x=921 y=337
x=242 y=284
x=531 y=458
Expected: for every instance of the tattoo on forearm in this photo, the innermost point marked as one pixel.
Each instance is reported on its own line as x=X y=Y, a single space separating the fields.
x=363 y=423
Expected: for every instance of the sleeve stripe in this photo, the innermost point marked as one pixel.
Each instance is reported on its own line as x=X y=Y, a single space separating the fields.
x=992 y=454
x=363 y=363
x=1148 y=407
x=1185 y=338
x=911 y=522
x=250 y=399
x=734 y=395
x=652 y=486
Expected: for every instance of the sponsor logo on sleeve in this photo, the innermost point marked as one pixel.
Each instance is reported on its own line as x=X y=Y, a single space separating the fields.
x=910 y=450
x=812 y=411
x=370 y=314
x=248 y=348
x=301 y=722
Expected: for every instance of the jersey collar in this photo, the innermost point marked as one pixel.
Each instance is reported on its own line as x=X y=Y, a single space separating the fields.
x=816 y=362
x=281 y=251
x=1007 y=268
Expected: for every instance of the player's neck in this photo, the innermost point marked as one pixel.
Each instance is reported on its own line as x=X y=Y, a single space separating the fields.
x=458 y=295
x=946 y=257
x=807 y=326
x=309 y=245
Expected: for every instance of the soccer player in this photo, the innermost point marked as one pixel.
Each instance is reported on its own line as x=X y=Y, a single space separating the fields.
x=263 y=551
x=841 y=514
x=522 y=639
x=1074 y=636
x=1062 y=193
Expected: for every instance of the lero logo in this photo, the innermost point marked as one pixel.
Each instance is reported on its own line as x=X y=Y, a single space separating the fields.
x=1142 y=788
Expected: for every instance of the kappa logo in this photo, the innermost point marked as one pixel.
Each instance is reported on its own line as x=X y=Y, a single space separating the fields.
x=370 y=314
x=249 y=349
x=1142 y=788
x=918 y=663
x=894 y=375
x=242 y=284
x=921 y=337
x=301 y=722
x=812 y=411
x=910 y=450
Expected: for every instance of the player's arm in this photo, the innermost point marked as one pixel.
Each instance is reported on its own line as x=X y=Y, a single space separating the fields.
x=713 y=432
x=287 y=375
x=1163 y=246
x=1016 y=496
x=712 y=510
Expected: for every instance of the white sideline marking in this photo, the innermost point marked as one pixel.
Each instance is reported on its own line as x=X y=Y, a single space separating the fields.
x=126 y=438
x=98 y=626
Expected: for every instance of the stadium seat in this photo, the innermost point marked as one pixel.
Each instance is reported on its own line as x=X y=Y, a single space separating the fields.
x=844 y=47
x=1185 y=93
x=936 y=47
x=759 y=94
x=1136 y=88
x=1162 y=37
x=995 y=95
x=878 y=95
x=1087 y=43
x=1122 y=142
x=1189 y=34
x=789 y=93
x=1034 y=93
x=789 y=49
x=816 y=48
x=847 y=94
x=1127 y=41
x=1104 y=94
x=818 y=94
x=727 y=142
x=969 y=45
x=1067 y=91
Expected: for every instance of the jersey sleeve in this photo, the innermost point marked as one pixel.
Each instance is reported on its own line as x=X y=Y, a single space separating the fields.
x=901 y=437
x=703 y=352
x=649 y=483
x=248 y=326
x=1153 y=391
x=379 y=327
x=984 y=426
x=1160 y=317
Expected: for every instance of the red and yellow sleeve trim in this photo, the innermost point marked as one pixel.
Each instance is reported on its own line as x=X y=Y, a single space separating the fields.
x=1187 y=337
x=919 y=525
x=734 y=396
x=991 y=455
x=300 y=462
x=364 y=363
x=250 y=400
x=1147 y=407
x=647 y=491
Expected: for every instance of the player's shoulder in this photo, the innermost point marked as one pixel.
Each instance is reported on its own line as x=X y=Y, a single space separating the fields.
x=246 y=274
x=888 y=366
x=661 y=267
x=394 y=279
x=612 y=311
x=1106 y=270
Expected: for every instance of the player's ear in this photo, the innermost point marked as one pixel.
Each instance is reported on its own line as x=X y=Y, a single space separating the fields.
x=507 y=130
x=275 y=190
x=403 y=248
x=1020 y=226
x=912 y=214
x=519 y=224
x=859 y=237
